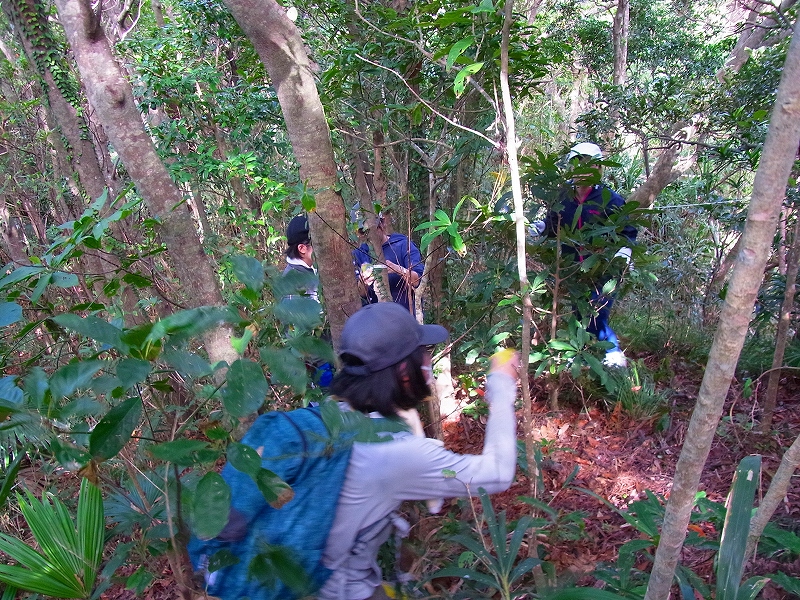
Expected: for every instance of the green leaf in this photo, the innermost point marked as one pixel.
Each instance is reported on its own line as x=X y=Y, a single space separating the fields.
x=137 y=280
x=18 y=275
x=211 y=506
x=132 y=370
x=308 y=201
x=187 y=364
x=114 y=430
x=10 y=312
x=246 y=388
x=94 y=328
x=468 y=575
x=274 y=489
x=73 y=376
x=300 y=312
x=221 y=559
x=91 y=531
x=730 y=561
x=249 y=271
x=244 y=458
x=484 y=6
x=41 y=286
x=181 y=452
x=64 y=280
x=240 y=344
x=460 y=82
x=286 y=368
x=313 y=347
x=457 y=50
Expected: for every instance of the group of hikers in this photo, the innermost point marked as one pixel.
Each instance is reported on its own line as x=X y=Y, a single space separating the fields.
x=385 y=373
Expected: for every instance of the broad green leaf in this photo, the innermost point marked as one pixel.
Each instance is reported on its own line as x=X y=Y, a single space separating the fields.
x=277 y=563
x=132 y=370
x=274 y=489
x=240 y=344
x=41 y=286
x=457 y=50
x=300 y=312
x=137 y=280
x=313 y=347
x=73 y=376
x=18 y=275
x=246 y=388
x=187 y=364
x=484 y=6
x=221 y=559
x=211 y=506
x=468 y=575
x=69 y=457
x=244 y=458
x=308 y=201
x=460 y=82
x=64 y=280
x=181 y=452
x=193 y=321
x=249 y=271
x=114 y=430
x=94 y=328
x=286 y=368
x=10 y=312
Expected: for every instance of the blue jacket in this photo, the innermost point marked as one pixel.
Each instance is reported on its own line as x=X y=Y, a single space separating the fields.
x=595 y=209
x=396 y=250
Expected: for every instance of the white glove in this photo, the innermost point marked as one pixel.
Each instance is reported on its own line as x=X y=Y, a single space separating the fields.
x=625 y=253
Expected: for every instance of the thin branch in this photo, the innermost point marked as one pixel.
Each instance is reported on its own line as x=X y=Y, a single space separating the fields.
x=428 y=106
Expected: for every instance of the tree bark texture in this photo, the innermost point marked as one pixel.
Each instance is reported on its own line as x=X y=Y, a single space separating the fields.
x=769 y=188
x=621 y=27
x=751 y=37
x=280 y=47
x=782 y=333
x=778 y=488
x=660 y=177
x=111 y=97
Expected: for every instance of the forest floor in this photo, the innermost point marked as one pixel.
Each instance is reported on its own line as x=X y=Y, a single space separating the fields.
x=618 y=459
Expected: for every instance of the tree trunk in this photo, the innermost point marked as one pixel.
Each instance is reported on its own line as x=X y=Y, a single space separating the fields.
x=111 y=97
x=775 y=495
x=782 y=334
x=620 y=36
x=280 y=46
x=751 y=37
x=661 y=176
x=769 y=189
x=522 y=268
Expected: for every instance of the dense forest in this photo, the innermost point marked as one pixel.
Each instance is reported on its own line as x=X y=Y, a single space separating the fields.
x=153 y=153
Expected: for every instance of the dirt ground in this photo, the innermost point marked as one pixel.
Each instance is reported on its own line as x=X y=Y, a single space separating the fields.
x=618 y=459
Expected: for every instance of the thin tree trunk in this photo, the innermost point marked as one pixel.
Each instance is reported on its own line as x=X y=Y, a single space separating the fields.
x=280 y=46
x=775 y=494
x=782 y=334
x=111 y=97
x=522 y=268
x=769 y=189
x=620 y=36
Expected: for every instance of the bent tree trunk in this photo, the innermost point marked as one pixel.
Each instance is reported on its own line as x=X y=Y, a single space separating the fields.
x=769 y=189
x=278 y=43
x=111 y=97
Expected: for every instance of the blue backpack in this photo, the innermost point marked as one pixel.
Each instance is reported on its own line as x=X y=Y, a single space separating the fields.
x=266 y=553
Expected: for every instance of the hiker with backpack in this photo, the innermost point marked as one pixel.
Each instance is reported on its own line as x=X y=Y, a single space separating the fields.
x=350 y=466
x=386 y=367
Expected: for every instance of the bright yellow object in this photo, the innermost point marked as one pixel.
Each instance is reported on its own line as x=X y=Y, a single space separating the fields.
x=503 y=356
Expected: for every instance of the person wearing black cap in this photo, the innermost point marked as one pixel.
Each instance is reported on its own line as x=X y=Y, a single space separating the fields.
x=387 y=369
x=300 y=252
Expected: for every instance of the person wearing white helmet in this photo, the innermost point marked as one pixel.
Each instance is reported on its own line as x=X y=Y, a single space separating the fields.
x=586 y=201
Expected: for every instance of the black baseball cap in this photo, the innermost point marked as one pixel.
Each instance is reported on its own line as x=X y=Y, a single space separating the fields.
x=383 y=334
x=297 y=231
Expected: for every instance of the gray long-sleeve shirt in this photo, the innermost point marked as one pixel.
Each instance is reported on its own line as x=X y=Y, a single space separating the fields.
x=382 y=475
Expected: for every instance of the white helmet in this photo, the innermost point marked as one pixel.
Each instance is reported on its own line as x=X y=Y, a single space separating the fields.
x=585 y=149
